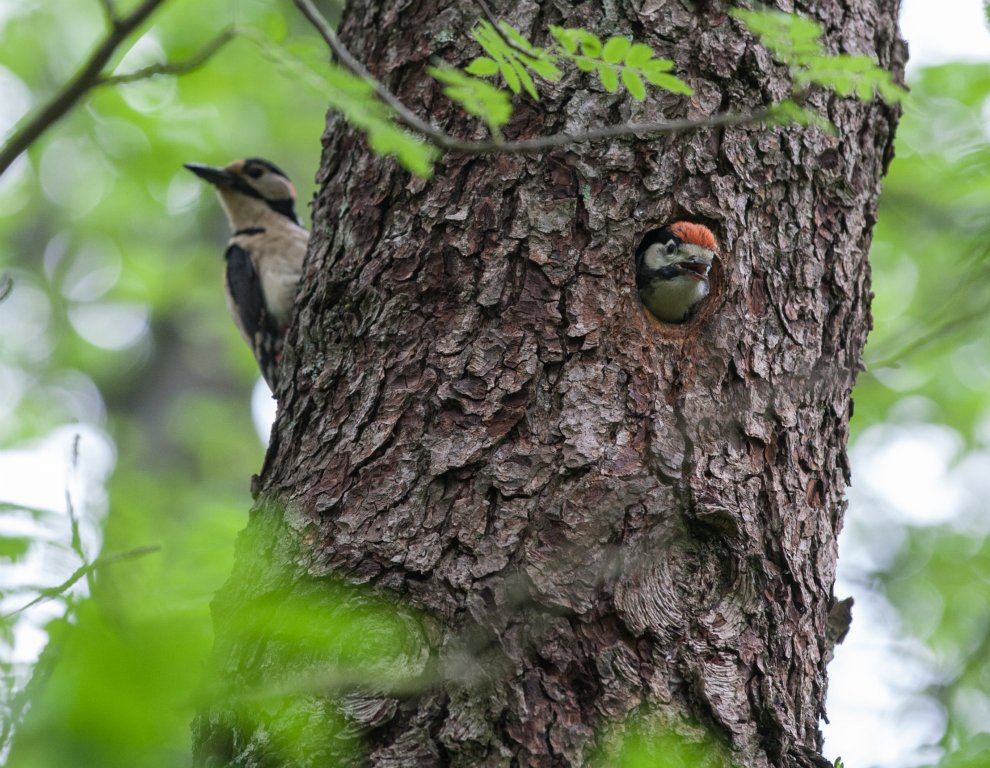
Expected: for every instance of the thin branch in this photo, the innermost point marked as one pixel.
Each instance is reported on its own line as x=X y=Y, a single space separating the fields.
x=6 y=286
x=52 y=592
x=492 y=19
x=110 y=13
x=76 y=539
x=445 y=141
x=85 y=79
x=543 y=143
x=944 y=329
x=194 y=62
x=404 y=115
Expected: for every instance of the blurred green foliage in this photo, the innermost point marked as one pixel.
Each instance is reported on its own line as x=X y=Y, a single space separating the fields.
x=796 y=41
x=928 y=363
x=649 y=740
x=931 y=258
x=116 y=324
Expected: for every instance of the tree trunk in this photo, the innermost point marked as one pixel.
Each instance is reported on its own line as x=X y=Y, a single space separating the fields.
x=582 y=513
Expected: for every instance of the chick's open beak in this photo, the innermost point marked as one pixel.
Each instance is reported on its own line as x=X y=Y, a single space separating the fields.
x=697 y=267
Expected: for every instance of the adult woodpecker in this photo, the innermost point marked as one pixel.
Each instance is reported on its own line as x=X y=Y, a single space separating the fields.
x=264 y=254
x=672 y=266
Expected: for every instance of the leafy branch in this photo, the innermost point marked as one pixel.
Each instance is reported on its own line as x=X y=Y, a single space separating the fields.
x=479 y=98
x=793 y=40
x=618 y=58
x=91 y=75
x=797 y=42
x=492 y=19
x=512 y=56
x=182 y=67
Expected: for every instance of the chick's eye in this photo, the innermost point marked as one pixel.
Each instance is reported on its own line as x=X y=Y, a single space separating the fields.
x=671 y=247
x=254 y=171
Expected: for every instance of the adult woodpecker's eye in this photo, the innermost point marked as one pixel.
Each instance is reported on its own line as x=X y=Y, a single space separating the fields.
x=253 y=171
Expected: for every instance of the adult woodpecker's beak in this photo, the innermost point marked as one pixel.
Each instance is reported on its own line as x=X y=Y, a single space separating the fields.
x=218 y=177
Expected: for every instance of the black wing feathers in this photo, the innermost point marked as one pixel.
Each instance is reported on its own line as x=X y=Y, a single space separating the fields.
x=258 y=326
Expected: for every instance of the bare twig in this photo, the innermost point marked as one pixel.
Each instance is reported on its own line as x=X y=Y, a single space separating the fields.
x=49 y=593
x=172 y=68
x=543 y=143
x=443 y=140
x=87 y=76
x=76 y=88
x=90 y=75
x=6 y=286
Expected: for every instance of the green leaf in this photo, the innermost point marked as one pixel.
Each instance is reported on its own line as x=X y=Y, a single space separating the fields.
x=670 y=83
x=849 y=76
x=511 y=78
x=515 y=36
x=638 y=55
x=591 y=45
x=14 y=547
x=476 y=96
x=634 y=84
x=658 y=65
x=788 y=111
x=546 y=69
x=489 y=39
x=789 y=37
x=275 y=26
x=609 y=78
x=413 y=153
x=418 y=157
x=527 y=81
x=890 y=91
x=796 y=41
x=616 y=49
x=566 y=37
x=515 y=61
x=585 y=64
x=482 y=66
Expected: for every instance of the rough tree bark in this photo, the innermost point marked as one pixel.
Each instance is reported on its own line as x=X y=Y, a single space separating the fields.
x=602 y=514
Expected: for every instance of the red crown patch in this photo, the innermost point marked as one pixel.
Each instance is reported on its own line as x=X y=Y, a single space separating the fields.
x=696 y=234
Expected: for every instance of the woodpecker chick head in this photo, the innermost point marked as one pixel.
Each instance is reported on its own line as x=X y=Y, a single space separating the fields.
x=250 y=190
x=672 y=266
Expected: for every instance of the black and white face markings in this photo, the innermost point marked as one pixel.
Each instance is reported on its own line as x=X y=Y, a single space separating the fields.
x=254 y=179
x=265 y=180
x=658 y=250
x=672 y=269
